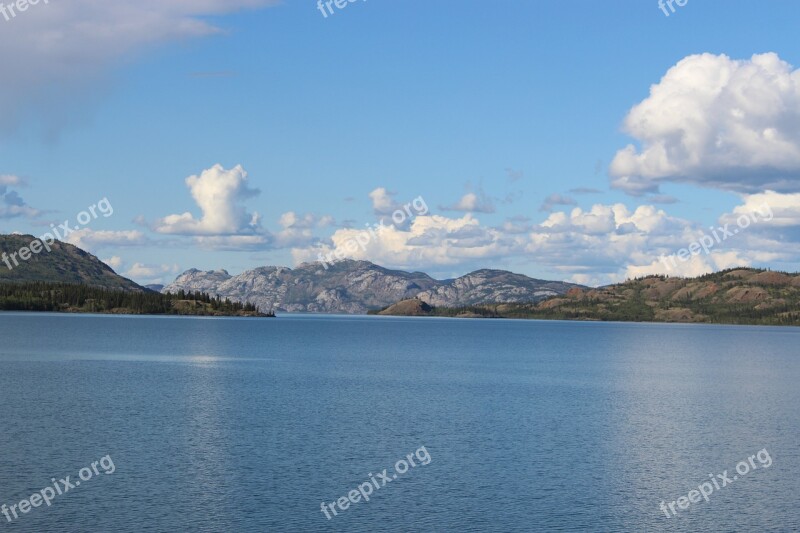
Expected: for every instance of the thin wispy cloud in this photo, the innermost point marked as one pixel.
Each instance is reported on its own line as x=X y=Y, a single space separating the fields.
x=585 y=190
x=57 y=57
x=556 y=199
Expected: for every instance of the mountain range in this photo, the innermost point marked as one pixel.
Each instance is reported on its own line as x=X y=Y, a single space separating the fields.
x=357 y=287
x=736 y=296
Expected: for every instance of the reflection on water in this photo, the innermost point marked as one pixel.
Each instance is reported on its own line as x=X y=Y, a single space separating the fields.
x=247 y=425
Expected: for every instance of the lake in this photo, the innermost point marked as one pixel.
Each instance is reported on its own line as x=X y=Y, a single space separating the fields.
x=251 y=425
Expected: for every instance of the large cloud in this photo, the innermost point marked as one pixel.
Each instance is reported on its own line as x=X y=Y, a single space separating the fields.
x=54 y=52
x=716 y=122
x=220 y=194
x=225 y=223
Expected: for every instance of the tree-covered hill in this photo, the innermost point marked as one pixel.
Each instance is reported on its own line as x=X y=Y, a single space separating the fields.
x=64 y=263
x=736 y=296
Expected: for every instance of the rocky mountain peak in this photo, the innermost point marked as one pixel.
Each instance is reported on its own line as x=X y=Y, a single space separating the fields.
x=355 y=287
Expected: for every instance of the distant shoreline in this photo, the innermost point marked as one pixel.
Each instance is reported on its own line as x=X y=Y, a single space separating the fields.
x=127 y=315
x=375 y=315
x=37 y=296
x=732 y=297
x=575 y=320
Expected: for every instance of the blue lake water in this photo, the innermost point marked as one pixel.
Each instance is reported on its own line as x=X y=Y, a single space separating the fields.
x=249 y=425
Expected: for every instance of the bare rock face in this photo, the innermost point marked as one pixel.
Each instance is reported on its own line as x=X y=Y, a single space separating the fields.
x=196 y=280
x=355 y=287
x=493 y=286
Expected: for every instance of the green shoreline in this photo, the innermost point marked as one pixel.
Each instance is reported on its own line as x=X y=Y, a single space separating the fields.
x=741 y=296
x=84 y=299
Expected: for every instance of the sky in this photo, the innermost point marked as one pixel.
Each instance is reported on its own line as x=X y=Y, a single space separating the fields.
x=578 y=140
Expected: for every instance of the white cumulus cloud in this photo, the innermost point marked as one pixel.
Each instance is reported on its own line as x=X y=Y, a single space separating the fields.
x=220 y=194
x=383 y=201
x=716 y=122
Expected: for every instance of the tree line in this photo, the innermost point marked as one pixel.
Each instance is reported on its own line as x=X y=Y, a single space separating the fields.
x=44 y=296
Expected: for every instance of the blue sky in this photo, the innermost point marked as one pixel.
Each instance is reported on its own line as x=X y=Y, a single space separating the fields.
x=522 y=105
